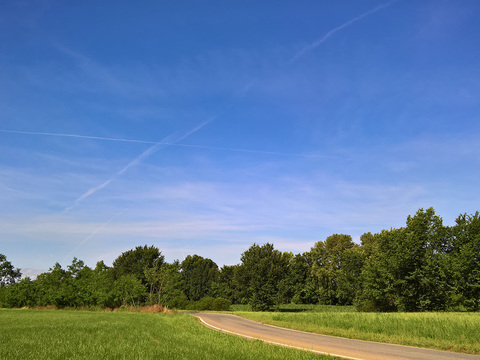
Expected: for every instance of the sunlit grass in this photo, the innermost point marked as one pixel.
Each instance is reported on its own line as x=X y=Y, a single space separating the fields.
x=445 y=331
x=56 y=334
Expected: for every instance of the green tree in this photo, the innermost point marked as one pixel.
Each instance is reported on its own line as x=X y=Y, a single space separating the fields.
x=349 y=275
x=170 y=286
x=78 y=284
x=406 y=269
x=20 y=294
x=329 y=270
x=135 y=261
x=226 y=286
x=258 y=276
x=377 y=292
x=128 y=290
x=53 y=287
x=464 y=262
x=8 y=273
x=420 y=271
x=302 y=285
x=199 y=277
x=153 y=278
x=100 y=282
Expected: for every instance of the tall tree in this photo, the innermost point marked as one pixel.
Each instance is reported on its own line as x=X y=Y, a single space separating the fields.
x=329 y=261
x=420 y=270
x=464 y=262
x=406 y=270
x=348 y=276
x=199 y=276
x=377 y=290
x=227 y=287
x=258 y=277
x=301 y=287
x=135 y=261
x=128 y=290
x=170 y=285
x=20 y=294
x=8 y=273
x=153 y=279
x=52 y=287
x=101 y=285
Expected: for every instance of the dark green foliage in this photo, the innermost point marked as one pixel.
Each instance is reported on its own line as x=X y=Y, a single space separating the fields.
x=199 y=276
x=135 y=261
x=54 y=287
x=349 y=275
x=165 y=283
x=209 y=303
x=464 y=263
x=301 y=286
x=19 y=294
x=406 y=269
x=154 y=280
x=178 y=302
x=334 y=268
x=226 y=286
x=424 y=266
x=377 y=292
x=128 y=290
x=8 y=273
x=101 y=286
x=260 y=275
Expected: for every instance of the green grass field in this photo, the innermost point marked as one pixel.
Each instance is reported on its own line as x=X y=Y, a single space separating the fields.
x=458 y=332
x=60 y=334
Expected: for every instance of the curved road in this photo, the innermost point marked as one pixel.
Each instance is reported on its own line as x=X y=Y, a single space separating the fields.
x=323 y=344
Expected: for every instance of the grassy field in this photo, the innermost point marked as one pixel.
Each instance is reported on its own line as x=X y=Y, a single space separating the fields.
x=60 y=334
x=458 y=332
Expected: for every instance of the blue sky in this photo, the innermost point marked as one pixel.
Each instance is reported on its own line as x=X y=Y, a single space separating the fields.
x=203 y=127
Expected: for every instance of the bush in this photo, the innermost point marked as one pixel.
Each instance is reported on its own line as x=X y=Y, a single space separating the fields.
x=178 y=302
x=209 y=303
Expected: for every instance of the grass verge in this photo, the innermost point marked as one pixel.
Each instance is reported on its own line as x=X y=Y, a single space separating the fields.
x=57 y=334
x=458 y=332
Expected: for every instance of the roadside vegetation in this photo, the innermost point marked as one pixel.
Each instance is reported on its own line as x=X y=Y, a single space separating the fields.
x=424 y=266
x=53 y=334
x=449 y=331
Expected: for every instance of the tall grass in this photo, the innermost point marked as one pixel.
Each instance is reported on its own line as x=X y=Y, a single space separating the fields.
x=57 y=334
x=459 y=332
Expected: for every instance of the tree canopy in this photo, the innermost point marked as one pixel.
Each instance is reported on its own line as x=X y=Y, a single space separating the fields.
x=423 y=266
x=135 y=261
x=8 y=273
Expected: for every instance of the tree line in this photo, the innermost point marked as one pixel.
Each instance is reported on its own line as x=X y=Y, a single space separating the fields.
x=423 y=266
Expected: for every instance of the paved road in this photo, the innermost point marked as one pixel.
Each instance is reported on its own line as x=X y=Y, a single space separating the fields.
x=323 y=344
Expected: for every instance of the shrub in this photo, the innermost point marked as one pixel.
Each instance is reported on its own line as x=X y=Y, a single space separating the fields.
x=210 y=303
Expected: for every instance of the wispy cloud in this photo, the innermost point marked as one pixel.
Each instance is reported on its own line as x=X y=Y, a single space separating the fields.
x=225 y=218
x=171 y=139
x=102 y=75
x=325 y=37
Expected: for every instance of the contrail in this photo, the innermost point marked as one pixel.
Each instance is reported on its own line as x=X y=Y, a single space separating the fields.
x=135 y=161
x=165 y=143
x=94 y=233
x=168 y=140
x=338 y=28
x=77 y=136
